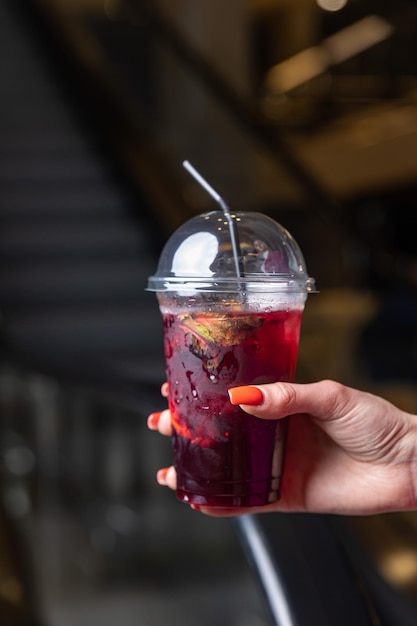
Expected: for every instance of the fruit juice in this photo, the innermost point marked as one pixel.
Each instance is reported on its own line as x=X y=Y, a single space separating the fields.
x=223 y=456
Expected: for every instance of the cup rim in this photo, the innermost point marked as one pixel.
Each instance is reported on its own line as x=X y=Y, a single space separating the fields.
x=290 y=283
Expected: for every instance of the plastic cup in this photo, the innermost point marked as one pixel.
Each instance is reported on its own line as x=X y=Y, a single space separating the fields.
x=220 y=331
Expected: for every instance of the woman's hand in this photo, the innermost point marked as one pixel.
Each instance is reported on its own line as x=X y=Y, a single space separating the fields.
x=348 y=451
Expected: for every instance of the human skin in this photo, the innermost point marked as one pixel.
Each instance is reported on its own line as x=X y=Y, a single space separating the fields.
x=349 y=452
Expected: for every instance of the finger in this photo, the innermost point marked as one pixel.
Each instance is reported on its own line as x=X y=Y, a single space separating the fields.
x=160 y=421
x=164 y=390
x=323 y=399
x=167 y=477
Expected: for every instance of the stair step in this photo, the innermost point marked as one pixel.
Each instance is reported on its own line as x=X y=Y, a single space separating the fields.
x=73 y=169
x=100 y=330
x=43 y=284
x=87 y=197
x=46 y=143
x=71 y=238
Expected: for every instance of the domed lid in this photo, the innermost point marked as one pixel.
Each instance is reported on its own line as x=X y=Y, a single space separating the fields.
x=248 y=252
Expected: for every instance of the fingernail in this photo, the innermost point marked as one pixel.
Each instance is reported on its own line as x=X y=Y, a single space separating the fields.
x=195 y=507
x=161 y=476
x=153 y=420
x=250 y=395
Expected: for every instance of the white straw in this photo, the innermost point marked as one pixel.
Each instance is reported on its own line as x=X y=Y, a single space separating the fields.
x=217 y=197
x=202 y=181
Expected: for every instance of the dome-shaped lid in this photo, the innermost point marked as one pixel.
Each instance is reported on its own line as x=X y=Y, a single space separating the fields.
x=200 y=255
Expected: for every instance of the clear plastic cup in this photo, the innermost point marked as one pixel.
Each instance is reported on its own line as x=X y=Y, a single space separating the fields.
x=228 y=322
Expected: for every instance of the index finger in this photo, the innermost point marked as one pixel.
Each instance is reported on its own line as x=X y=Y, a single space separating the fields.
x=324 y=400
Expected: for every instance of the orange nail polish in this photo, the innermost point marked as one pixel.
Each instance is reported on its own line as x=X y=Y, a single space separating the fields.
x=161 y=476
x=153 y=419
x=246 y=395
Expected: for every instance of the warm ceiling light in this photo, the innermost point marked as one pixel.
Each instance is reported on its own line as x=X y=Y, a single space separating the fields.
x=357 y=38
x=313 y=61
x=331 y=5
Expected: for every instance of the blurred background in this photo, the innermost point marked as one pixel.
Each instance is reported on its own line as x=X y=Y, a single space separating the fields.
x=305 y=110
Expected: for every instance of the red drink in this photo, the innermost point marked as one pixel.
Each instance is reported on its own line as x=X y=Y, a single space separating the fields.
x=223 y=456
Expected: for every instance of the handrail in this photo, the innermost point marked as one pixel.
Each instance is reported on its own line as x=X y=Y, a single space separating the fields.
x=304 y=571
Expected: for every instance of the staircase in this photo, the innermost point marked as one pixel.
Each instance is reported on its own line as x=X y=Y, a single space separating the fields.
x=76 y=243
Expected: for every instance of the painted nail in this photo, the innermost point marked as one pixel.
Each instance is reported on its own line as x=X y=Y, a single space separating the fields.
x=161 y=476
x=252 y=396
x=195 y=507
x=153 y=420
